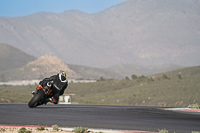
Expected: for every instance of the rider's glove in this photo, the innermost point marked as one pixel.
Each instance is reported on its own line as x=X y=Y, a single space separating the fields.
x=39 y=87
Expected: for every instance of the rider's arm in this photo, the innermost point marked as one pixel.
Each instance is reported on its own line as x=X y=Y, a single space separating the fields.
x=63 y=89
x=46 y=80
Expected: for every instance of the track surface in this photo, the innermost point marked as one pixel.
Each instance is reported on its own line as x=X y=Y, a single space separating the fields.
x=100 y=117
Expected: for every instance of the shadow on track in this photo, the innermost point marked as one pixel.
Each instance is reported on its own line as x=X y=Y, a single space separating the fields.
x=64 y=106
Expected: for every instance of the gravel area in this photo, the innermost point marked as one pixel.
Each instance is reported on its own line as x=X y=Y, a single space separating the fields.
x=33 y=130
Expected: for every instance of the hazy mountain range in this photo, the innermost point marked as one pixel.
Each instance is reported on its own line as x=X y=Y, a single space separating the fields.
x=18 y=65
x=11 y=57
x=139 y=32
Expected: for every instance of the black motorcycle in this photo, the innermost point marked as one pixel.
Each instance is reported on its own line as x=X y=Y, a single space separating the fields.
x=40 y=96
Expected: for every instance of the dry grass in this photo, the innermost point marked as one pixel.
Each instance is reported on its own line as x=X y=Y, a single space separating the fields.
x=33 y=130
x=173 y=89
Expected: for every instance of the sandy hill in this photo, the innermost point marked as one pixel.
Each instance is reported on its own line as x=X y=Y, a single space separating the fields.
x=40 y=68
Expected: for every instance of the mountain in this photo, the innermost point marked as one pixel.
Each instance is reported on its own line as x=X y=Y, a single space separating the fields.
x=18 y=65
x=96 y=73
x=122 y=71
x=130 y=69
x=189 y=72
x=11 y=57
x=139 y=32
x=40 y=68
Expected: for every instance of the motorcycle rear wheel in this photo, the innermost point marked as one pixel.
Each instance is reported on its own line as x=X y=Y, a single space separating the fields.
x=35 y=99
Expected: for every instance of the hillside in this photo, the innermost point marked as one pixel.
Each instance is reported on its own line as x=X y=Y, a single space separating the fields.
x=40 y=68
x=15 y=64
x=96 y=73
x=185 y=72
x=147 y=32
x=173 y=91
x=121 y=71
x=11 y=57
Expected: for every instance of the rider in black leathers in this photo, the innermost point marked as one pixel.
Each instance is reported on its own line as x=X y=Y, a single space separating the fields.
x=60 y=83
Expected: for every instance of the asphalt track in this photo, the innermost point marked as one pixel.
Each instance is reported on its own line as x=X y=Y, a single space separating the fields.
x=101 y=117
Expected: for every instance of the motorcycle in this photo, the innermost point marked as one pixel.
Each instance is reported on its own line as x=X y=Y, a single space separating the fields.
x=40 y=96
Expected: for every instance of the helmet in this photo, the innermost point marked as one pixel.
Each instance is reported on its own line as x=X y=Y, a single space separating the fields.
x=62 y=75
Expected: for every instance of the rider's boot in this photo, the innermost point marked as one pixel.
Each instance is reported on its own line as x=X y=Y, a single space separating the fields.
x=48 y=100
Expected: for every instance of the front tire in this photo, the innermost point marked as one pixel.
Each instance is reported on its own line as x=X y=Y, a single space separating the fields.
x=35 y=99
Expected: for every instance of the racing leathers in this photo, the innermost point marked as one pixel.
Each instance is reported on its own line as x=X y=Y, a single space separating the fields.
x=59 y=85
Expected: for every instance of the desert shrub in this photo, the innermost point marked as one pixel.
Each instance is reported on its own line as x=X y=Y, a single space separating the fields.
x=55 y=127
x=127 y=78
x=150 y=79
x=2 y=130
x=80 y=129
x=179 y=76
x=40 y=129
x=163 y=131
x=23 y=130
x=194 y=106
x=165 y=76
x=101 y=79
x=134 y=76
x=141 y=78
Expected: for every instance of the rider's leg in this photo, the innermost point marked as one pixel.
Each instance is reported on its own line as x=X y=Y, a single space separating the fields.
x=55 y=98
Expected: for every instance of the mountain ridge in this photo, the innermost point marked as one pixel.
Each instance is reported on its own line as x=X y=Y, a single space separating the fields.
x=148 y=32
x=17 y=65
x=11 y=57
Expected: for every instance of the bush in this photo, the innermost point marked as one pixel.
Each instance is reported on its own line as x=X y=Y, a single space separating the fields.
x=55 y=127
x=40 y=129
x=23 y=130
x=179 y=76
x=80 y=129
x=134 y=76
x=163 y=131
x=101 y=79
x=150 y=79
x=2 y=130
x=165 y=76
x=194 y=106
x=141 y=78
x=127 y=78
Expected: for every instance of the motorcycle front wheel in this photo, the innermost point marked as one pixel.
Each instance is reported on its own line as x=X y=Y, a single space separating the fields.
x=36 y=99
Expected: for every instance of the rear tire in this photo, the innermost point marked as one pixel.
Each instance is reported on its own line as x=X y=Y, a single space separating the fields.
x=35 y=99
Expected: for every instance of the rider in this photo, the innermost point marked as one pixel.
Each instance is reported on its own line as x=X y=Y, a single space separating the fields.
x=60 y=83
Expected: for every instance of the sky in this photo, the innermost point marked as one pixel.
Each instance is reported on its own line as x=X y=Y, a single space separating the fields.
x=18 y=8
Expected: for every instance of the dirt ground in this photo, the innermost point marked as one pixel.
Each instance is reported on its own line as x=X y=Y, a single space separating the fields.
x=33 y=130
